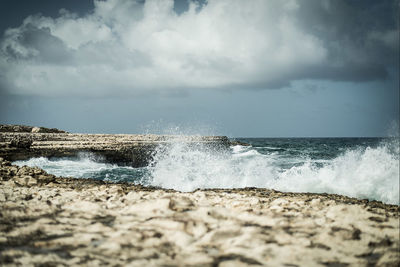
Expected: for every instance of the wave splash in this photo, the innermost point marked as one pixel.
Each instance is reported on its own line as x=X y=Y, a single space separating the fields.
x=371 y=173
x=363 y=172
x=85 y=165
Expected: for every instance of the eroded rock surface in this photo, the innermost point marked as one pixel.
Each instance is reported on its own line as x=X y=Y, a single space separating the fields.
x=20 y=143
x=46 y=220
x=28 y=129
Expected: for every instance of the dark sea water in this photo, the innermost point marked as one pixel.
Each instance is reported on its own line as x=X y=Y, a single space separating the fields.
x=356 y=167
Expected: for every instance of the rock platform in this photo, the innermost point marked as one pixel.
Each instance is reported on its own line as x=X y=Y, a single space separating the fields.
x=54 y=221
x=23 y=142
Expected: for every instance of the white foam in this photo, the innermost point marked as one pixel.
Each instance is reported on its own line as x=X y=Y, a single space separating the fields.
x=82 y=167
x=371 y=173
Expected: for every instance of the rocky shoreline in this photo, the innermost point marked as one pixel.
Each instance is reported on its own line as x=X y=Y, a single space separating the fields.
x=54 y=221
x=19 y=142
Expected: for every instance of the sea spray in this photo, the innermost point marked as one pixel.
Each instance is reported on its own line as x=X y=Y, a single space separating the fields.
x=371 y=173
x=361 y=172
x=362 y=168
x=187 y=168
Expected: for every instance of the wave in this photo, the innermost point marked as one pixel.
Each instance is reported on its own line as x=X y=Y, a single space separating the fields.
x=362 y=172
x=86 y=165
x=80 y=167
x=371 y=173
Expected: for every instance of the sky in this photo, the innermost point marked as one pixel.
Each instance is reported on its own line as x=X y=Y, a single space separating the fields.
x=278 y=68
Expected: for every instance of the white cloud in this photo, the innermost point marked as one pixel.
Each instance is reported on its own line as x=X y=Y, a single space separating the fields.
x=126 y=47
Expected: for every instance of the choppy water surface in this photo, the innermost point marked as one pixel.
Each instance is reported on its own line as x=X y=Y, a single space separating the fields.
x=356 y=167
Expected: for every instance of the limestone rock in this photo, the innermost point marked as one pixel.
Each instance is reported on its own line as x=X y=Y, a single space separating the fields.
x=123 y=149
x=21 y=142
x=9 y=128
x=86 y=222
x=35 y=130
x=25 y=180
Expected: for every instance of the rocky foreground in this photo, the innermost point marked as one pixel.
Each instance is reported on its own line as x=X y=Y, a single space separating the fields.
x=52 y=221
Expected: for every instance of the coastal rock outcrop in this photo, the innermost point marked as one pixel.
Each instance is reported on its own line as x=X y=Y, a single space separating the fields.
x=24 y=142
x=49 y=221
x=7 y=128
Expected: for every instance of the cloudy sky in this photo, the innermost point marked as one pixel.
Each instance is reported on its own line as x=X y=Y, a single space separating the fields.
x=309 y=68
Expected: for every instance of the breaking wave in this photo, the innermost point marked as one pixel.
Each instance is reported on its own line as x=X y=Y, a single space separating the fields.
x=371 y=173
x=361 y=172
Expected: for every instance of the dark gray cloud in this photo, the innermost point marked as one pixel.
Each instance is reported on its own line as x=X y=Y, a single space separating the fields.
x=362 y=37
x=136 y=47
x=37 y=43
x=13 y=12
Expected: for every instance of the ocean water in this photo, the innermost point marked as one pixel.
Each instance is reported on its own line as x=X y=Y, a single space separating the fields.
x=355 y=167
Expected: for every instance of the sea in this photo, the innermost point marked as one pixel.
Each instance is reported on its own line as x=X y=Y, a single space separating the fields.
x=364 y=168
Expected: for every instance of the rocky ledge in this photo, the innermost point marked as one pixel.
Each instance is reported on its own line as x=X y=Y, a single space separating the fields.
x=52 y=221
x=10 y=128
x=23 y=142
